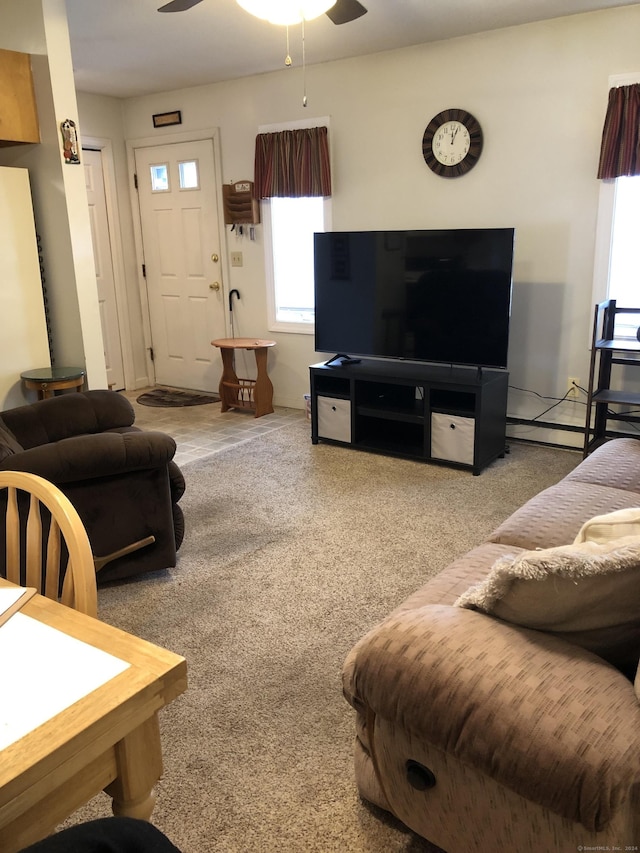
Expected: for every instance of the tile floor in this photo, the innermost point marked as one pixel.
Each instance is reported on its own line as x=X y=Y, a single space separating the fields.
x=202 y=430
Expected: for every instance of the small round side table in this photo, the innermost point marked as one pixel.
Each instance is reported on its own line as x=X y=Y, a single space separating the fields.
x=46 y=380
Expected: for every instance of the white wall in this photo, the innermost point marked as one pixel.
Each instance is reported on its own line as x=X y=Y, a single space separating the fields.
x=539 y=92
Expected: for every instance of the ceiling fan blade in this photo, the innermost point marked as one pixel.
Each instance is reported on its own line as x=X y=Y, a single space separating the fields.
x=178 y=5
x=345 y=11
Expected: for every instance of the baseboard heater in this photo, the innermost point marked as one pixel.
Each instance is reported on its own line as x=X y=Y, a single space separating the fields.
x=567 y=427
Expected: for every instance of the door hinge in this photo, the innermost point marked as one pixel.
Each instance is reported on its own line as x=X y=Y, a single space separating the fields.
x=144 y=270
x=135 y=180
x=151 y=355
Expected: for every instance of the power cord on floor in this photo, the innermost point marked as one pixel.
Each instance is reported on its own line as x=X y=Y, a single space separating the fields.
x=557 y=400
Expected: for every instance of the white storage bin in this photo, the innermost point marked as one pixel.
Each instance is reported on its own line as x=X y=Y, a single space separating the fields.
x=452 y=438
x=334 y=418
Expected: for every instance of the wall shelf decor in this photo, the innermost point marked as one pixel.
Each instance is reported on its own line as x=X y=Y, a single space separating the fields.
x=240 y=205
x=167 y=119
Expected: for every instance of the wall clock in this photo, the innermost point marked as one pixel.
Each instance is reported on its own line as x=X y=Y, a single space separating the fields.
x=452 y=143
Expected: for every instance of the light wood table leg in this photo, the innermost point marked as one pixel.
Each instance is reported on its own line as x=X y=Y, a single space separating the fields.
x=263 y=391
x=139 y=763
x=228 y=375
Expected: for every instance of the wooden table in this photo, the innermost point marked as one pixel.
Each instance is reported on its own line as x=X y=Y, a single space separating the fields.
x=254 y=394
x=46 y=380
x=108 y=740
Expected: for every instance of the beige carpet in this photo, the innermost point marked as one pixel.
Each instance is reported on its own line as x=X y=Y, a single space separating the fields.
x=292 y=552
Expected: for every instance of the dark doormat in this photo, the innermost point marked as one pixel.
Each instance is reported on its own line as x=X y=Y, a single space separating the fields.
x=164 y=398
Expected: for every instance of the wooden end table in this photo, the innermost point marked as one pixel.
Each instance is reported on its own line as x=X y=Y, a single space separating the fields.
x=253 y=394
x=47 y=380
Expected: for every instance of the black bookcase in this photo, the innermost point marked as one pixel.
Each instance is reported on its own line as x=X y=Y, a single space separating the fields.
x=607 y=350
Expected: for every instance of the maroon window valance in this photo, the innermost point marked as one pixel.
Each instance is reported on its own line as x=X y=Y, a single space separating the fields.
x=293 y=163
x=620 y=152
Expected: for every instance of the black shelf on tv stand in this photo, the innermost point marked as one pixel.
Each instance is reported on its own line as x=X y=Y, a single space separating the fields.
x=438 y=413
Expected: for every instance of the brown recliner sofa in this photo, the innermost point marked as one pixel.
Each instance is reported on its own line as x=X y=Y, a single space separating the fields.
x=498 y=707
x=122 y=480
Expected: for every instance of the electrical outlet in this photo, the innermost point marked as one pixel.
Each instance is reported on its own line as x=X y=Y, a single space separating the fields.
x=573 y=387
x=236 y=259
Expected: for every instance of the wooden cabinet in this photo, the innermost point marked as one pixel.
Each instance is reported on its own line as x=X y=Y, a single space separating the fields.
x=434 y=413
x=18 y=113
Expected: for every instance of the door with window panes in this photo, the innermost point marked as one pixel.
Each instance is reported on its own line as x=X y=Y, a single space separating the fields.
x=181 y=243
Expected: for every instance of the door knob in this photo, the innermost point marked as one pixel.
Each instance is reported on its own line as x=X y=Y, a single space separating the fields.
x=214 y=286
x=214 y=258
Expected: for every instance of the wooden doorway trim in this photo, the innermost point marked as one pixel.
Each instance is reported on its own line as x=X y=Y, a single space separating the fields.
x=105 y=148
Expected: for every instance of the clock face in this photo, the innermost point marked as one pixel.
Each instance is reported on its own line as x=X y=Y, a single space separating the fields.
x=452 y=143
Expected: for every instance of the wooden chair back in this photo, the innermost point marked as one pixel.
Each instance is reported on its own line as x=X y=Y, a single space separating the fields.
x=61 y=567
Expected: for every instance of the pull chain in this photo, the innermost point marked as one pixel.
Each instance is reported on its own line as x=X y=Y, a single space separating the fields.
x=287 y=60
x=304 y=70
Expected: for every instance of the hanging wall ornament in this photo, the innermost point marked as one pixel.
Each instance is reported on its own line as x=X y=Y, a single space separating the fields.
x=69 y=141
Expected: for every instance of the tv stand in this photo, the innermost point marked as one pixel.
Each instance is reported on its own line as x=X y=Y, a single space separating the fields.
x=435 y=413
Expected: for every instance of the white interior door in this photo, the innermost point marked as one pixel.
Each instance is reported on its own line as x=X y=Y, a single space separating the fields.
x=181 y=242
x=105 y=279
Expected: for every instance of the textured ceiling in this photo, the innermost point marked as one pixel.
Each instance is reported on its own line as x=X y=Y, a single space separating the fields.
x=126 y=48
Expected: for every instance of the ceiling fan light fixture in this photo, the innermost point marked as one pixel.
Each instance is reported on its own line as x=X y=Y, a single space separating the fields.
x=286 y=12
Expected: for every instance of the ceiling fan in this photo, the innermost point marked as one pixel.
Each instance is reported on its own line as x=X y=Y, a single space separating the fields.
x=342 y=12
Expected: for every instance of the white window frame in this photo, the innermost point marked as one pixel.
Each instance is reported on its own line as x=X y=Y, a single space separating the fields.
x=275 y=325
x=606 y=209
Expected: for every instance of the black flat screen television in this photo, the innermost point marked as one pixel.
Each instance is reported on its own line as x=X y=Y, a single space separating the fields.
x=436 y=296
